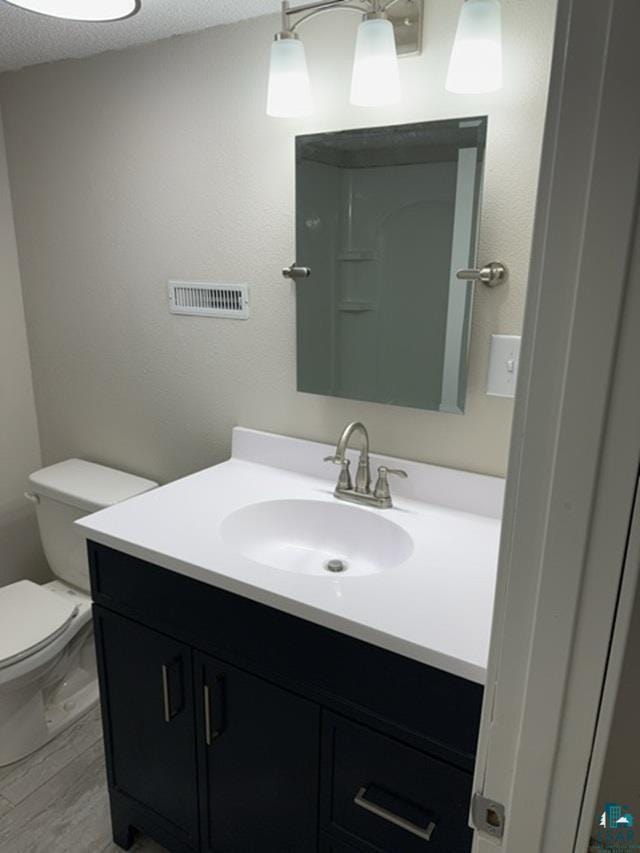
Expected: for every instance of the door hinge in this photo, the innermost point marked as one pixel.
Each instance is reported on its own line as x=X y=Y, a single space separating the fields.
x=487 y=816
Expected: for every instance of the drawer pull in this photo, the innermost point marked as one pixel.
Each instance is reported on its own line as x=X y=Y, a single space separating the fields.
x=380 y=811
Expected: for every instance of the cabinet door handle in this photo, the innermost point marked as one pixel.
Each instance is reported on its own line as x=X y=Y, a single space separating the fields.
x=380 y=811
x=166 y=701
x=212 y=727
x=172 y=689
x=207 y=715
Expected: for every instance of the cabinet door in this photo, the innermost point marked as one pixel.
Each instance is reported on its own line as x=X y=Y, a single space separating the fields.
x=330 y=845
x=146 y=684
x=260 y=763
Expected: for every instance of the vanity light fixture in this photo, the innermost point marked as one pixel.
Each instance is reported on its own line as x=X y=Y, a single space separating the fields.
x=81 y=10
x=388 y=28
x=475 y=66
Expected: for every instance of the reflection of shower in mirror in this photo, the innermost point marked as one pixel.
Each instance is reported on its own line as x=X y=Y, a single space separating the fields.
x=386 y=218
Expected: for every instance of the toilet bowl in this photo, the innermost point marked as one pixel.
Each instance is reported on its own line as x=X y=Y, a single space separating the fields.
x=47 y=658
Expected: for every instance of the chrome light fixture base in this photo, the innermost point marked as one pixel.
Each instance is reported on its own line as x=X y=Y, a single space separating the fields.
x=407 y=17
x=283 y=35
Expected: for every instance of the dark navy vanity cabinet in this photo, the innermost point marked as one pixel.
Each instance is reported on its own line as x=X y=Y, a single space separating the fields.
x=232 y=727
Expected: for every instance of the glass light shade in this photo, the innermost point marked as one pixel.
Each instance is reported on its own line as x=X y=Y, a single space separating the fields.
x=476 y=59
x=81 y=10
x=376 y=78
x=289 y=93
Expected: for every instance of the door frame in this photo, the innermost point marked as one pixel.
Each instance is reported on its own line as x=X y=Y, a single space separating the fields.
x=575 y=445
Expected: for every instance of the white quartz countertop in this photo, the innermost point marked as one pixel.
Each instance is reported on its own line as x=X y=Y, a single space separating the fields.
x=435 y=607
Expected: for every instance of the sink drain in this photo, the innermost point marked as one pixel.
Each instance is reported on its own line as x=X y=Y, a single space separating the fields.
x=335 y=566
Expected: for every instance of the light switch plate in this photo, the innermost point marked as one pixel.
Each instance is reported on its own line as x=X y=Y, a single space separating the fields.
x=503 y=365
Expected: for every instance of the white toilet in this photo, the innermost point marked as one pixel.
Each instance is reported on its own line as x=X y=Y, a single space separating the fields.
x=47 y=660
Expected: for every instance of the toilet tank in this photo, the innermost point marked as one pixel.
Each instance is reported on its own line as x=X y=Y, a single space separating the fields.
x=67 y=491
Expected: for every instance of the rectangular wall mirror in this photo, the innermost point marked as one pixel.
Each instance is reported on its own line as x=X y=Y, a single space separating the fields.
x=384 y=219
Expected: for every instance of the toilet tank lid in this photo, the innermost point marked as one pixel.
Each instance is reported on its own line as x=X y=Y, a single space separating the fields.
x=87 y=485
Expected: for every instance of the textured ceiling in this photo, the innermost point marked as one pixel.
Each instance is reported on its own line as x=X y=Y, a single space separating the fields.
x=27 y=38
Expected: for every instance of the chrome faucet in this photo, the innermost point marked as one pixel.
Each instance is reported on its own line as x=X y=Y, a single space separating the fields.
x=361 y=493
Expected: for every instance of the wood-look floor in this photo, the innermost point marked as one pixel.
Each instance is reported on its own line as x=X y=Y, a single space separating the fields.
x=55 y=801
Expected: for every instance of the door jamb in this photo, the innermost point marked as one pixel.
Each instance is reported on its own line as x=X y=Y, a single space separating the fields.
x=575 y=440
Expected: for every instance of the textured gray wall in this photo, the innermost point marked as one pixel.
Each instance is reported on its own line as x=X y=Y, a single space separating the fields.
x=134 y=167
x=20 y=552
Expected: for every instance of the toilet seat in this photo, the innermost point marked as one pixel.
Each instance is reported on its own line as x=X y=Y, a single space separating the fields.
x=31 y=618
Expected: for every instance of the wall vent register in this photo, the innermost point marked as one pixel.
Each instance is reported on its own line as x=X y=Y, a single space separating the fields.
x=210 y=299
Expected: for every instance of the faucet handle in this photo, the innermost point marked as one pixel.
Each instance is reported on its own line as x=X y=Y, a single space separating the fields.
x=382 y=486
x=344 y=478
x=398 y=472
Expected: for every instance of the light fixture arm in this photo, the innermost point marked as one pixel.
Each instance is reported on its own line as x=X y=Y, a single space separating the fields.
x=310 y=10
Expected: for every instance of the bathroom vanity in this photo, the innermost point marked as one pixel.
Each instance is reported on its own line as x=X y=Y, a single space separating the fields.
x=249 y=707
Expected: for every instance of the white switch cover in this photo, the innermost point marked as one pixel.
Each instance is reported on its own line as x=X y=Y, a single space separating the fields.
x=503 y=365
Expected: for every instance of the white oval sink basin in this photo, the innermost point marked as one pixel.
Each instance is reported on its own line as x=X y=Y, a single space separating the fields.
x=304 y=536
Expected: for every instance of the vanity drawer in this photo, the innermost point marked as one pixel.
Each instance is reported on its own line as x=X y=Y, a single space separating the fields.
x=380 y=795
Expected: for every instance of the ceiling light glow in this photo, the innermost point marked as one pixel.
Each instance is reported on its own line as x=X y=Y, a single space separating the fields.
x=81 y=10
